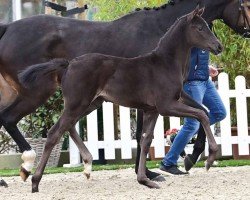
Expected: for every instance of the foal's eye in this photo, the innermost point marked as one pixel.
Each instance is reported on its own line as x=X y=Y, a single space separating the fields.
x=200 y=28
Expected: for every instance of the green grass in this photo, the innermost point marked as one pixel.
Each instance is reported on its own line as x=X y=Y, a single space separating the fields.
x=150 y=165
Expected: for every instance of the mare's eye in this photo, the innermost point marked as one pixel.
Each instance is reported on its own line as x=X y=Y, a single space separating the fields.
x=200 y=28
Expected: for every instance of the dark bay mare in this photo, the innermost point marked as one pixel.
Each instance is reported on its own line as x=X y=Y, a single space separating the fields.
x=151 y=82
x=41 y=38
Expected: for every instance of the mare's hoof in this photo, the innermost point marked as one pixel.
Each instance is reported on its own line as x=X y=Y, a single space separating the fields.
x=3 y=183
x=24 y=174
x=154 y=176
x=159 y=178
x=188 y=162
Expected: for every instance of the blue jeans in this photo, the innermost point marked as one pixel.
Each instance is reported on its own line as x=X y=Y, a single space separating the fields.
x=203 y=92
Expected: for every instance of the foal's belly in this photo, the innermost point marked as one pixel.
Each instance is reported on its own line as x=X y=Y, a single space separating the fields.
x=123 y=98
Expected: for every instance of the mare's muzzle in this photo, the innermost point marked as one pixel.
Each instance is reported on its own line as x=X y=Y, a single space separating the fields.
x=246 y=34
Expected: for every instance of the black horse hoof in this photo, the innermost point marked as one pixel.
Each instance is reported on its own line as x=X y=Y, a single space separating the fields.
x=3 y=183
x=159 y=178
x=34 y=190
x=189 y=162
x=154 y=176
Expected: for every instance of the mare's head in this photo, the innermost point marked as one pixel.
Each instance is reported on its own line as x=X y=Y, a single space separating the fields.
x=236 y=14
x=199 y=35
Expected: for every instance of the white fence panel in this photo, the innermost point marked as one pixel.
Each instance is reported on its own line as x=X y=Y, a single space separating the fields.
x=159 y=142
x=126 y=144
x=108 y=128
x=92 y=134
x=223 y=84
x=241 y=110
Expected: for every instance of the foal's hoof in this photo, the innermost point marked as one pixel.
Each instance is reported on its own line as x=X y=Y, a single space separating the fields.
x=208 y=165
x=188 y=162
x=87 y=169
x=24 y=174
x=149 y=183
x=3 y=183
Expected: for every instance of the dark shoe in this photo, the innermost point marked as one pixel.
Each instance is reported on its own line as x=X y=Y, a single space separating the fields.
x=3 y=183
x=173 y=170
x=189 y=162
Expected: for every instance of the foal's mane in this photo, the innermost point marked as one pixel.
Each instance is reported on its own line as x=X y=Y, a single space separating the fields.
x=178 y=22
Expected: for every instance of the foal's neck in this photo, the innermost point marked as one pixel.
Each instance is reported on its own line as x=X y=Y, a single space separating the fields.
x=173 y=47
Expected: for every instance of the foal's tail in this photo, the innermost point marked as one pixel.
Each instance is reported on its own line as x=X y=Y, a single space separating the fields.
x=29 y=76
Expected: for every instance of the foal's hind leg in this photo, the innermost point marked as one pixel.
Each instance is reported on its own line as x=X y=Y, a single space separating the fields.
x=86 y=155
x=65 y=123
x=55 y=133
x=150 y=174
x=149 y=120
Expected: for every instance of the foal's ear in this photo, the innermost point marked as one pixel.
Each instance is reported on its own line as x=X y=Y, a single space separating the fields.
x=195 y=12
x=201 y=11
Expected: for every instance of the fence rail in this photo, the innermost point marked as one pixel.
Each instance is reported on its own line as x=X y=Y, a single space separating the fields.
x=126 y=143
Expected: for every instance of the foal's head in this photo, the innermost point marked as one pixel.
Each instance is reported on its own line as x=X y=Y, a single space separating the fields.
x=199 y=35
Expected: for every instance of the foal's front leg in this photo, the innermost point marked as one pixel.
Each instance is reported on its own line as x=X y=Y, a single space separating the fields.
x=200 y=142
x=178 y=109
x=149 y=120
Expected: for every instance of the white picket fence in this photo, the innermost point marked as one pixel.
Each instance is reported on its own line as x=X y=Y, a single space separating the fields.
x=125 y=143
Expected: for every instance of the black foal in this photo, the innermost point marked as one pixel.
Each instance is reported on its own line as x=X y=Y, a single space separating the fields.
x=152 y=82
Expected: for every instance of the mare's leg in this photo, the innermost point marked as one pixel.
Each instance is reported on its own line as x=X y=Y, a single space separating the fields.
x=150 y=174
x=9 y=118
x=179 y=109
x=149 y=120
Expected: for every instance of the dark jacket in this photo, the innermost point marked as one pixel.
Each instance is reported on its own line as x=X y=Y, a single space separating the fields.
x=199 y=61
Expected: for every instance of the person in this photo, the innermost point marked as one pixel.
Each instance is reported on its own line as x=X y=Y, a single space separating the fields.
x=203 y=91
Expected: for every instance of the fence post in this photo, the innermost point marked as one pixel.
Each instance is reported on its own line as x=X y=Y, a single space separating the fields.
x=17 y=9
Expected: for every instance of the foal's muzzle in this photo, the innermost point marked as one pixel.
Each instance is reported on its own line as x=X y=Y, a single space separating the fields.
x=217 y=49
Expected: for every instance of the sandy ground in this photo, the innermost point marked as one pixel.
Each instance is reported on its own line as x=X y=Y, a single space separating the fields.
x=218 y=183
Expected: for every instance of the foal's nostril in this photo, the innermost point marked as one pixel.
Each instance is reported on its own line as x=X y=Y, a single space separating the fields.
x=220 y=48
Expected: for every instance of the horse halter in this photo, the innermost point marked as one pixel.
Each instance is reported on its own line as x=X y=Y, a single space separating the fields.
x=243 y=7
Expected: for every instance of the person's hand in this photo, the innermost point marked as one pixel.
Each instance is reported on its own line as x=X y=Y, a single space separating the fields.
x=213 y=71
